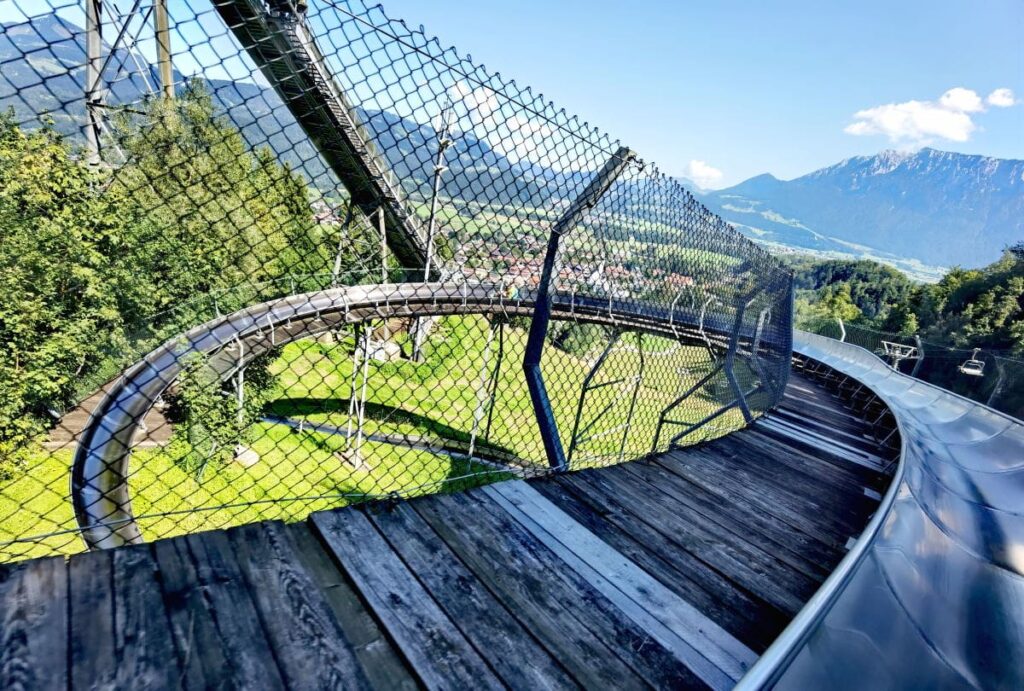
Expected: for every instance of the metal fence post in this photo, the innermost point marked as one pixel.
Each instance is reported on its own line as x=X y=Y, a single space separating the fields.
x=920 y=356
x=730 y=359
x=576 y=212
x=94 y=92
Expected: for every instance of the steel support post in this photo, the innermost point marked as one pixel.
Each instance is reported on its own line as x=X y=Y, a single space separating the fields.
x=94 y=95
x=920 y=356
x=421 y=326
x=163 y=48
x=575 y=437
x=495 y=378
x=482 y=393
x=730 y=360
x=573 y=216
x=1000 y=380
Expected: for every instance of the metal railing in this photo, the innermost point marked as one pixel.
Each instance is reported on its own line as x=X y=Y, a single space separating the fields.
x=268 y=257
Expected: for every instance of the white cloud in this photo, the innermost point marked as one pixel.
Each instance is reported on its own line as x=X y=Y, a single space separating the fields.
x=507 y=128
x=1001 y=98
x=702 y=173
x=962 y=100
x=918 y=123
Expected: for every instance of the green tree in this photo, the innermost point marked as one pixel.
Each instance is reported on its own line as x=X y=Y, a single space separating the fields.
x=837 y=303
x=217 y=216
x=209 y=423
x=93 y=260
x=65 y=282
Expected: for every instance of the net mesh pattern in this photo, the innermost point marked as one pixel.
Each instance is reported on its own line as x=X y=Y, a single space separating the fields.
x=266 y=257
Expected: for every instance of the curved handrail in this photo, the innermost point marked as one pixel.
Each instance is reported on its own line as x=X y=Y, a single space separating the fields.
x=99 y=490
x=932 y=593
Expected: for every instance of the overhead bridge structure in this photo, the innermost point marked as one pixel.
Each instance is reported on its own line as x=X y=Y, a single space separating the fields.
x=279 y=42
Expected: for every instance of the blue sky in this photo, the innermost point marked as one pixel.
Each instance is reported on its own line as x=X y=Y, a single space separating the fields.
x=722 y=90
x=748 y=87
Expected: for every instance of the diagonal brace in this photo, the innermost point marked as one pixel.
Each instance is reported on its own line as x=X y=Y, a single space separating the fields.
x=572 y=217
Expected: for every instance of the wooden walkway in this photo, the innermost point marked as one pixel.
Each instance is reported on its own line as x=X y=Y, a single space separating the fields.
x=671 y=572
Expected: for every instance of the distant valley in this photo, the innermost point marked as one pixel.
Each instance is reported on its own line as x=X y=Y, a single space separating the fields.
x=917 y=211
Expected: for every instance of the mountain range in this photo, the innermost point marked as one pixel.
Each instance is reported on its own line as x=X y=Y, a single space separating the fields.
x=930 y=207
x=920 y=211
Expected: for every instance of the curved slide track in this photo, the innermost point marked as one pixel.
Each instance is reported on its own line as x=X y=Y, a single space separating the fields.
x=100 y=490
x=932 y=594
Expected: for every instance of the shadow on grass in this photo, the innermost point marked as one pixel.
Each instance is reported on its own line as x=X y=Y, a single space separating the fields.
x=490 y=462
x=301 y=407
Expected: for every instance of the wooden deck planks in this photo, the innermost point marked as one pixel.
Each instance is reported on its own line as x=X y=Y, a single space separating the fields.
x=309 y=646
x=91 y=606
x=752 y=569
x=582 y=628
x=511 y=650
x=690 y=578
x=213 y=622
x=146 y=658
x=436 y=649
x=713 y=655
x=381 y=662
x=34 y=624
x=808 y=556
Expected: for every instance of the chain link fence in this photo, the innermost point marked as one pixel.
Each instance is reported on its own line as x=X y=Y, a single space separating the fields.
x=994 y=378
x=264 y=257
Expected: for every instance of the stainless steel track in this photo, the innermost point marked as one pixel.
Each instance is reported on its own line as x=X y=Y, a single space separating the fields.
x=932 y=594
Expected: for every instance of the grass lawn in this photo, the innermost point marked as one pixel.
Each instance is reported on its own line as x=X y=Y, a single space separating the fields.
x=300 y=472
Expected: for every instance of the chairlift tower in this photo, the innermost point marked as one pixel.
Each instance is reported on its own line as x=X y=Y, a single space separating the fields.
x=128 y=25
x=895 y=353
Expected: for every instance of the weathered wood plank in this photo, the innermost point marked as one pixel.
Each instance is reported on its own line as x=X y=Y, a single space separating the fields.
x=709 y=651
x=824 y=466
x=34 y=625
x=213 y=620
x=852 y=431
x=752 y=622
x=818 y=458
x=308 y=643
x=91 y=597
x=809 y=556
x=192 y=628
x=515 y=655
x=844 y=506
x=735 y=559
x=703 y=467
x=381 y=663
x=146 y=658
x=827 y=449
x=582 y=629
x=438 y=652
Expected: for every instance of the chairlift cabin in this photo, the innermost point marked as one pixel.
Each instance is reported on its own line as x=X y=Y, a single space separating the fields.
x=973 y=367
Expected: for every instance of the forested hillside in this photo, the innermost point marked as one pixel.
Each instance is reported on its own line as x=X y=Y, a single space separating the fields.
x=970 y=316
x=968 y=308
x=96 y=263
